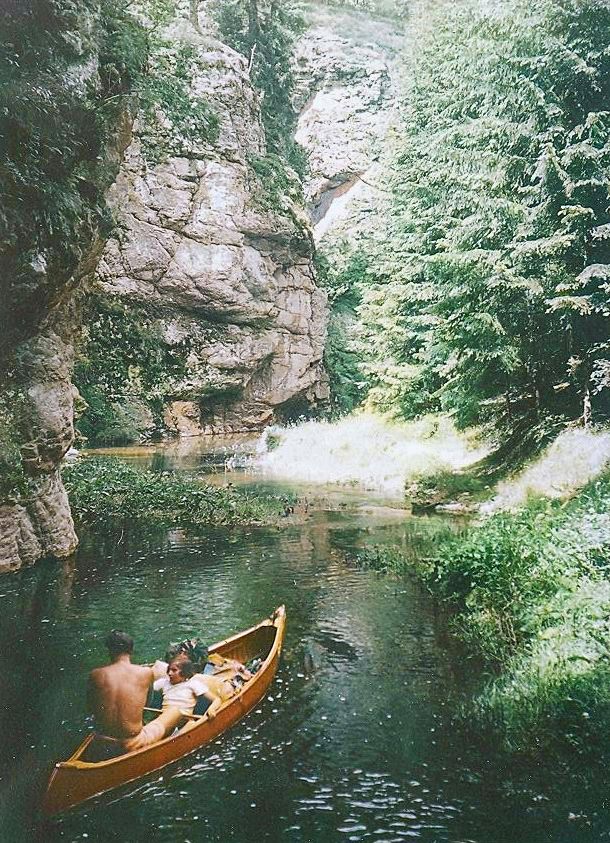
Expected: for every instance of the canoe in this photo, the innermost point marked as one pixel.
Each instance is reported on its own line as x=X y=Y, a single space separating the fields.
x=75 y=780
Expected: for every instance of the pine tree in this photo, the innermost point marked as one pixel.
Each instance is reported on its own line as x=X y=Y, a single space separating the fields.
x=491 y=281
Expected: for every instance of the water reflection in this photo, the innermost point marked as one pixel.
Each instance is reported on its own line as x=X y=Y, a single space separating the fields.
x=357 y=739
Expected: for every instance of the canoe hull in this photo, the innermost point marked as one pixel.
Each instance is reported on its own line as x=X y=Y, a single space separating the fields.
x=75 y=781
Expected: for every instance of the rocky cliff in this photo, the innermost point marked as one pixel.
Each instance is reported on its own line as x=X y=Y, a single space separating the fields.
x=347 y=97
x=347 y=100
x=47 y=251
x=214 y=250
x=210 y=261
x=38 y=522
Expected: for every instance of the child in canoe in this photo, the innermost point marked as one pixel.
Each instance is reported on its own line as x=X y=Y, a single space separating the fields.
x=181 y=689
x=220 y=675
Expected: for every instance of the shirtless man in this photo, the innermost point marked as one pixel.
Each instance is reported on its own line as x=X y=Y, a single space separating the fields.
x=117 y=693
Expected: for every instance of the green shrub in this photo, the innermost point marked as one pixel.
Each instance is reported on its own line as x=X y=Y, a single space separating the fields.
x=12 y=478
x=103 y=422
x=103 y=487
x=277 y=188
x=532 y=598
x=123 y=361
x=188 y=120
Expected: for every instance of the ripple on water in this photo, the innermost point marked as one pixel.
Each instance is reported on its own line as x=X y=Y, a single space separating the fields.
x=343 y=748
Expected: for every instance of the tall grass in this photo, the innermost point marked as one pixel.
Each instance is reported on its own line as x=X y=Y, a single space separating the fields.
x=532 y=592
x=366 y=451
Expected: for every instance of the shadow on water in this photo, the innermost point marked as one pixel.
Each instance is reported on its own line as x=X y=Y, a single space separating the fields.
x=359 y=738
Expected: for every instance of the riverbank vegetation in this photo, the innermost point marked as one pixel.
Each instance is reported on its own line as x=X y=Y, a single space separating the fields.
x=107 y=488
x=532 y=595
x=484 y=293
x=528 y=591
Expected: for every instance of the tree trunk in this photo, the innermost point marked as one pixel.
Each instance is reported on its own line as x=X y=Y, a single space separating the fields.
x=194 y=14
x=587 y=412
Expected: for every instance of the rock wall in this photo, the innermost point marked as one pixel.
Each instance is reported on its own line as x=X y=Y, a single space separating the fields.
x=347 y=99
x=40 y=275
x=39 y=523
x=216 y=257
x=221 y=264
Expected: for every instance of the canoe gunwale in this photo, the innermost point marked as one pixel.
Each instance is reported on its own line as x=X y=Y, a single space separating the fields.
x=84 y=765
x=183 y=742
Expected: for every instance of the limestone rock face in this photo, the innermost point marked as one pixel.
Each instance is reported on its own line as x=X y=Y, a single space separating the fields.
x=347 y=101
x=40 y=522
x=223 y=264
x=38 y=322
x=41 y=525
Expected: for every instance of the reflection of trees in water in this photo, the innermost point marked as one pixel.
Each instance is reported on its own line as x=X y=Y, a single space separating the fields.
x=28 y=665
x=41 y=598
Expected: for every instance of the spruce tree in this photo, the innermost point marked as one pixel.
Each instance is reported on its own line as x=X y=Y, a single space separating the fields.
x=490 y=285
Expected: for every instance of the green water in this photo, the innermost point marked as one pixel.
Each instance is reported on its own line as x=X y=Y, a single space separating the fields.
x=358 y=739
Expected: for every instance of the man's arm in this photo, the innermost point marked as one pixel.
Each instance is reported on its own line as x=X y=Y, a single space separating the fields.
x=215 y=703
x=159 y=669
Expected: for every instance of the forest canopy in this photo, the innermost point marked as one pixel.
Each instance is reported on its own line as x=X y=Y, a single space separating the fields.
x=486 y=294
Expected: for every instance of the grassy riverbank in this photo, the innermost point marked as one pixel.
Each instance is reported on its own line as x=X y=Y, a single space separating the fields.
x=104 y=487
x=529 y=593
x=532 y=593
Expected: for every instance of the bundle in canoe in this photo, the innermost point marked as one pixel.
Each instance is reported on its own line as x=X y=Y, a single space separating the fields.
x=75 y=780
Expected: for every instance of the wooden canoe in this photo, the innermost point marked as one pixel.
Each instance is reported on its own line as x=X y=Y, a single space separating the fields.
x=73 y=781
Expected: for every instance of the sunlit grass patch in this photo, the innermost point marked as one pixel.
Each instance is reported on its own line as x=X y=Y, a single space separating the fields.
x=574 y=459
x=366 y=451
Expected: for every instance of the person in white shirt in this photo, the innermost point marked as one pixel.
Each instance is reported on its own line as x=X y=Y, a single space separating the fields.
x=226 y=676
x=180 y=689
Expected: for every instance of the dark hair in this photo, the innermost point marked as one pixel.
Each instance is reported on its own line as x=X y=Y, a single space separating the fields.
x=172 y=651
x=192 y=648
x=118 y=643
x=187 y=668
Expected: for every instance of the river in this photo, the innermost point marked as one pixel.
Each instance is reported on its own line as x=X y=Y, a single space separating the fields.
x=359 y=738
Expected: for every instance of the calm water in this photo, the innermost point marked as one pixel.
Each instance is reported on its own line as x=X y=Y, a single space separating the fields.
x=358 y=739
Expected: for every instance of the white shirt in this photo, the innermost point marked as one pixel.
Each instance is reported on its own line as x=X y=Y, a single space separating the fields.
x=181 y=695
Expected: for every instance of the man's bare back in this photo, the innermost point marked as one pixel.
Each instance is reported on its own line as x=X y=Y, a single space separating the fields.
x=117 y=693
